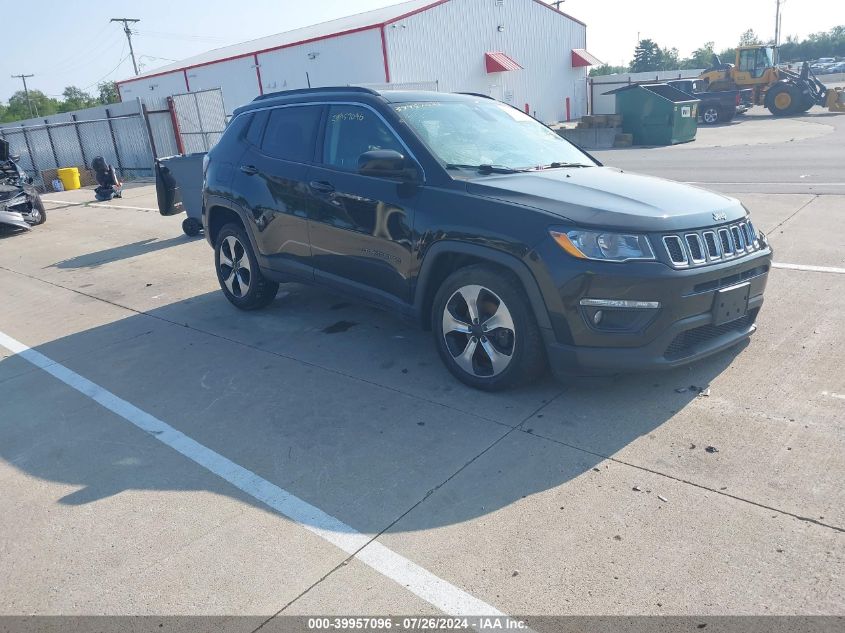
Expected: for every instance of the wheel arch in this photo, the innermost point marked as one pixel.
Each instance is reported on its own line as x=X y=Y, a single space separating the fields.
x=447 y=256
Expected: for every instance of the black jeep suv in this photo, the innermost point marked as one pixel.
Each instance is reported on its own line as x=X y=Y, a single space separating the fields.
x=516 y=248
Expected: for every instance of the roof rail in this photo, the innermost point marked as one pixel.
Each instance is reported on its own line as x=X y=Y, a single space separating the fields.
x=322 y=89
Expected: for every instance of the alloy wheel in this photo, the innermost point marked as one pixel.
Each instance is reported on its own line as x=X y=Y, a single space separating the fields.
x=710 y=116
x=234 y=266
x=478 y=330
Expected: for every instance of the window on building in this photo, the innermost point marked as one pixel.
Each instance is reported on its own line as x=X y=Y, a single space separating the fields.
x=351 y=131
x=291 y=133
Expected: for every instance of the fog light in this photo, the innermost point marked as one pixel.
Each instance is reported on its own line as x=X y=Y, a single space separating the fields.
x=597 y=317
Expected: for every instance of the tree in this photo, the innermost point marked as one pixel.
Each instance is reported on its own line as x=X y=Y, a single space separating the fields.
x=108 y=92
x=605 y=69
x=18 y=108
x=76 y=99
x=647 y=57
x=670 y=59
x=701 y=57
x=749 y=38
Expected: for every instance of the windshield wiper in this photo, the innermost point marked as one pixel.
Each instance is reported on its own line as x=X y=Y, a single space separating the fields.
x=486 y=169
x=557 y=165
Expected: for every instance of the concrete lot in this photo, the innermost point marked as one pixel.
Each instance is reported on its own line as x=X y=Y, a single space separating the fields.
x=592 y=497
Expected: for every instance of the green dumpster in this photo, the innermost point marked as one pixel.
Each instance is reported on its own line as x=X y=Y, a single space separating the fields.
x=657 y=114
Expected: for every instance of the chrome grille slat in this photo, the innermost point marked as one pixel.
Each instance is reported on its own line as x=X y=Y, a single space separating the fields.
x=696 y=248
x=675 y=247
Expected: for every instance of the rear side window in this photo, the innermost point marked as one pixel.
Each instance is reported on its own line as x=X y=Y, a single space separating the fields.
x=291 y=132
x=351 y=131
x=256 y=128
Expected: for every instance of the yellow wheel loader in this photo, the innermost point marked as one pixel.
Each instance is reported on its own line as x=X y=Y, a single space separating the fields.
x=783 y=92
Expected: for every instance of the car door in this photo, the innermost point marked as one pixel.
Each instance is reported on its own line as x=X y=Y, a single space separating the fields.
x=360 y=226
x=270 y=183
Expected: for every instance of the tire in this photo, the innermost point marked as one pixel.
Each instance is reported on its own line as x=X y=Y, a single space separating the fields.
x=238 y=272
x=807 y=103
x=711 y=114
x=38 y=213
x=467 y=349
x=782 y=99
x=191 y=226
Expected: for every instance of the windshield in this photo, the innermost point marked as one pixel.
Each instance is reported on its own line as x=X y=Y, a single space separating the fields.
x=472 y=133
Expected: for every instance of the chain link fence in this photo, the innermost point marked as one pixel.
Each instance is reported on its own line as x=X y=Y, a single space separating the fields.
x=129 y=136
x=119 y=133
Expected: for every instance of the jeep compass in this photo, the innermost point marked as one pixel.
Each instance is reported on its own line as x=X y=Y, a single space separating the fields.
x=517 y=249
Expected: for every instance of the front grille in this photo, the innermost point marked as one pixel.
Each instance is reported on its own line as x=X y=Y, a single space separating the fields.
x=712 y=247
x=675 y=249
x=687 y=343
x=698 y=248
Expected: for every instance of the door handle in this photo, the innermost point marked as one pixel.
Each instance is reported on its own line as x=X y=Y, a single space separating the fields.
x=249 y=170
x=322 y=186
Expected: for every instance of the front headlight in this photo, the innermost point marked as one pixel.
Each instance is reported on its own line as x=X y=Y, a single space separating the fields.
x=603 y=245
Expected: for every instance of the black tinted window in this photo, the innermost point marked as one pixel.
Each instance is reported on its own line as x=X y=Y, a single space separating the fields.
x=256 y=128
x=290 y=133
x=351 y=131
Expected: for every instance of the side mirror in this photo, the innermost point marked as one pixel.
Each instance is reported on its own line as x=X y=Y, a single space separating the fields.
x=387 y=163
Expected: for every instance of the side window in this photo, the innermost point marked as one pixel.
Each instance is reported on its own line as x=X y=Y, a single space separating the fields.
x=291 y=132
x=351 y=131
x=256 y=128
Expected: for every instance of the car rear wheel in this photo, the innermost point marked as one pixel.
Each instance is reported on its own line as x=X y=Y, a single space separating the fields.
x=238 y=273
x=484 y=329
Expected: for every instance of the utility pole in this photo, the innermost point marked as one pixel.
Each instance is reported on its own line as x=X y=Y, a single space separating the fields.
x=128 y=31
x=777 y=21
x=557 y=4
x=25 y=91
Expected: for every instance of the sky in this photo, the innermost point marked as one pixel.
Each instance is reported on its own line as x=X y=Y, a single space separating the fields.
x=76 y=45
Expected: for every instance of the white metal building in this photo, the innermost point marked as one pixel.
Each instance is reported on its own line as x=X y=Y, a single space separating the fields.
x=523 y=52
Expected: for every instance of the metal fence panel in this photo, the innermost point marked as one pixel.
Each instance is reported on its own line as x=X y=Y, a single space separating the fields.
x=201 y=117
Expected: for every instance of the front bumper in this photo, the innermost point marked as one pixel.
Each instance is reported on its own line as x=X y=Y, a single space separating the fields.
x=679 y=332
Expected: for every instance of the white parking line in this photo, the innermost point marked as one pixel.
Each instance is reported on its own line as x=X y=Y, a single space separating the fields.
x=812 y=269
x=768 y=184
x=434 y=590
x=99 y=204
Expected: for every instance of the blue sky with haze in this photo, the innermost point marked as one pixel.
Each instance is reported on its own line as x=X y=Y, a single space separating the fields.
x=73 y=43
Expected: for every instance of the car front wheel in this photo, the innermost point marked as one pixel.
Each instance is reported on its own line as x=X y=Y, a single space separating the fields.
x=485 y=330
x=238 y=273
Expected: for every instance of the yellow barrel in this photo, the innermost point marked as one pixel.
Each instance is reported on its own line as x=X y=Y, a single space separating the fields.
x=69 y=177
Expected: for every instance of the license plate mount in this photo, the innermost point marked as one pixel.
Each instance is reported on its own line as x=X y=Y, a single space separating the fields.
x=731 y=304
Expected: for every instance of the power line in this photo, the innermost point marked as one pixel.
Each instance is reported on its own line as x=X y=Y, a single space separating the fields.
x=26 y=92
x=128 y=31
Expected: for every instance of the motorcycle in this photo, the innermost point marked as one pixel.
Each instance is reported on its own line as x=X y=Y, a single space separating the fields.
x=20 y=205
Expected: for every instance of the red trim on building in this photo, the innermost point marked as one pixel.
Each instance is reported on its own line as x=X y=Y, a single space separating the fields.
x=384 y=54
x=581 y=58
x=187 y=83
x=258 y=74
x=497 y=62
x=381 y=26
x=251 y=53
x=414 y=12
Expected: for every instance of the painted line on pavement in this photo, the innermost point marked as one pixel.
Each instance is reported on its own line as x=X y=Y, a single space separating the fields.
x=812 y=269
x=434 y=590
x=808 y=183
x=99 y=204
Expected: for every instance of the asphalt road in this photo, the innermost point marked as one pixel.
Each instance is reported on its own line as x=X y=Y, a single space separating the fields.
x=753 y=153
x=162 y=453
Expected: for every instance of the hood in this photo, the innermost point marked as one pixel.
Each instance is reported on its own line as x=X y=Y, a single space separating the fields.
x=610 y=198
